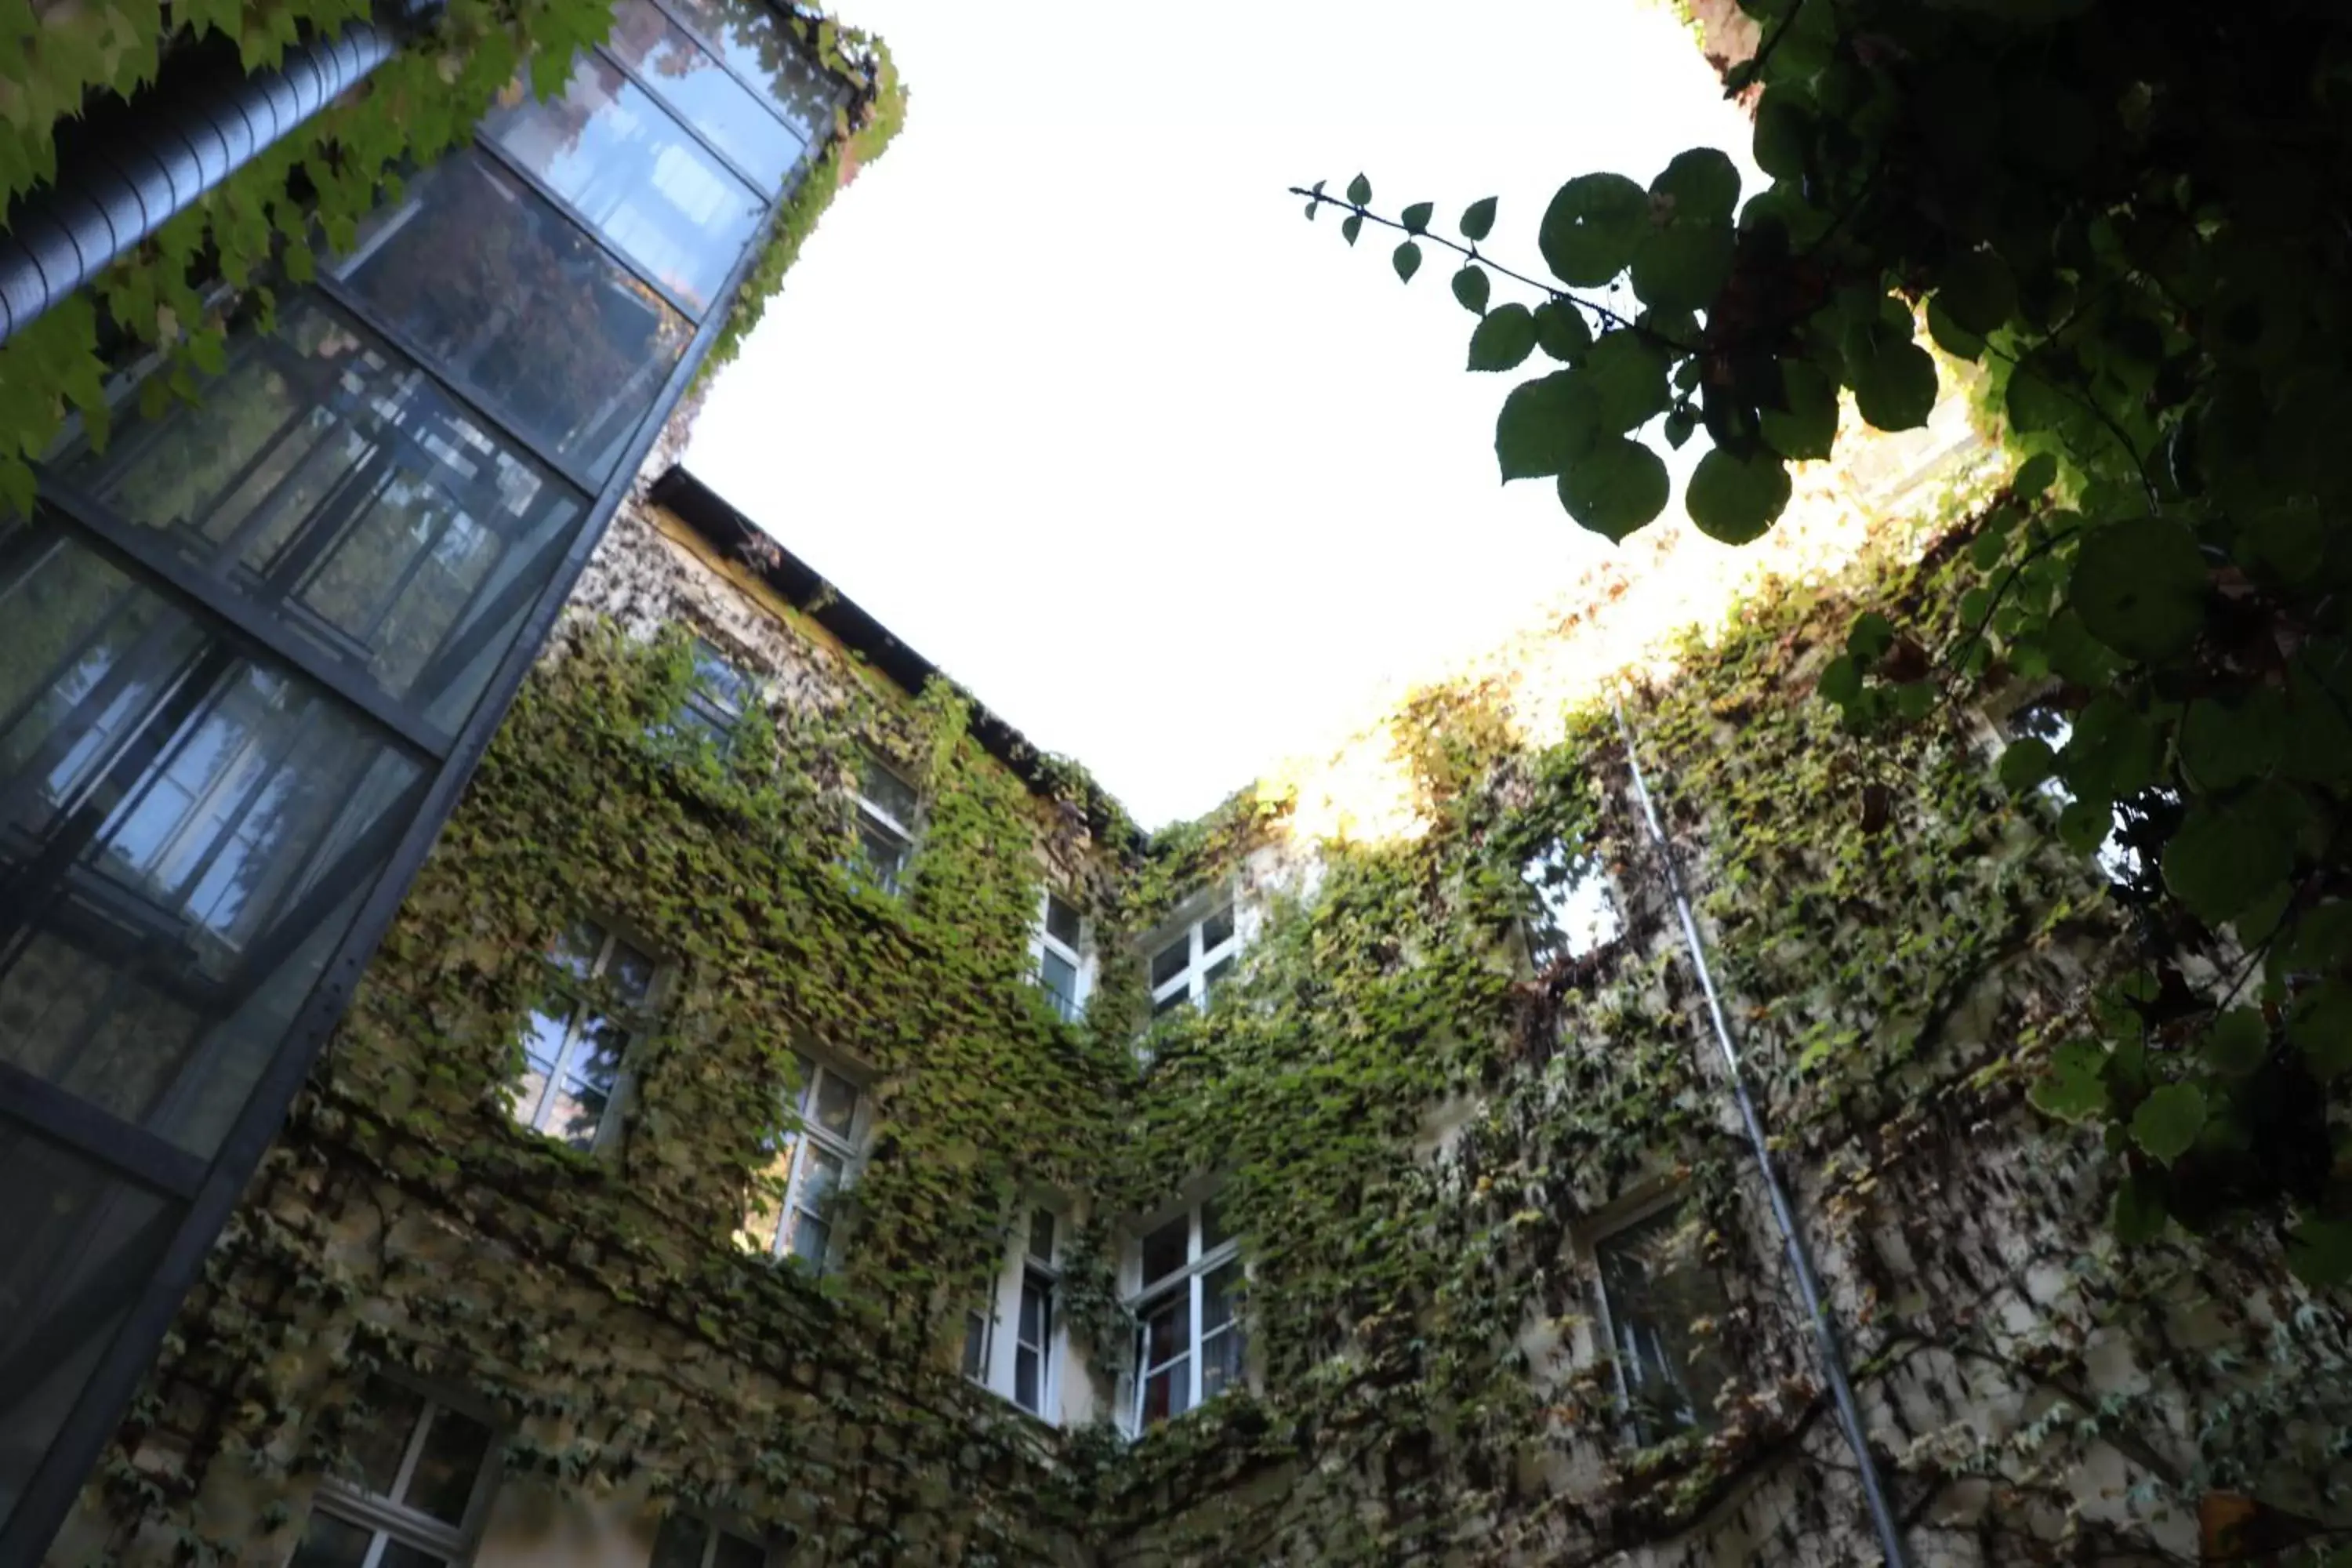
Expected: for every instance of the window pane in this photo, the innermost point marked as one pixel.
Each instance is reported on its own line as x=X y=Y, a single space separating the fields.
x=680 y=1542
x=975 y=1345
x=610 y=150
x=1221 y=1362
x=1063 y=922
x=1167 y=1392
x=894 y=794
x=735 y=1552
x=1168 y=1249
x=574 y=1112
x=1219 y=1294
x=76 y=1247
x=1213 y=1233
x=728 y=688
x=443 y=1481
x=186 y=835
x=712 y=101
x=1168 y=1329
x=399 y=1554
x=1059 y=977
x=1217 y=929
x=579 y=947
x=1041 y=1235
x=1574 y=913
x=885 y=854
x=518 y=306
x=810 y=1238
x=332 y=1542
x=820 y=1179
x=1171 y=961
x=1217 y=973
x=1028 y=1368
x=630 y=973
x=379 y=1437
x=836 y=1107
x=1036 y=1309
x=748 y=34
x=1658 y=1292
x=362 y=506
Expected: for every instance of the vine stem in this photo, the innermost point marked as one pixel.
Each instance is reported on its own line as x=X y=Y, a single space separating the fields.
x=1472 y=253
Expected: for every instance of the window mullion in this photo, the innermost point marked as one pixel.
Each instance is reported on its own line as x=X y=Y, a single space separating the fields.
x=410 y=1455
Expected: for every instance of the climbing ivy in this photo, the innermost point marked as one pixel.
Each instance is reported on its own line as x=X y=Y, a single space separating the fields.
x=2132 y=223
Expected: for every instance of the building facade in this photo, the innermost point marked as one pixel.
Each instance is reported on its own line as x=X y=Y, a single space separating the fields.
x=294 y=549
x=790 y=1121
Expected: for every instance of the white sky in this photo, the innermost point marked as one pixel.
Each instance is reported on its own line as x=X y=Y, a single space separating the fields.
x=1067 y=392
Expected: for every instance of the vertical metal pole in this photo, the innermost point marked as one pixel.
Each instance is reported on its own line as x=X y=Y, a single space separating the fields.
x=1784 y=1214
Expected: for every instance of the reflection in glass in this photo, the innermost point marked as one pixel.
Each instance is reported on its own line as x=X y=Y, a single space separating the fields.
x=332 y=1542
x=1661 y=1298
x=519 y=308
x=76 y=1247
x=1221 y=1330
x=751 y=38
x=694 y=84
x=184 y=835
x=1059 y=977
x=610 y=150
x=447 y=1465
x=340 y=490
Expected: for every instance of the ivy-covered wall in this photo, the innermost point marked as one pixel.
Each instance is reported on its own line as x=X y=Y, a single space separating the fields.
x=1420 y=1136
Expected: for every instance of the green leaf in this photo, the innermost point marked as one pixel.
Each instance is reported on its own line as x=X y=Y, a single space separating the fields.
x=1504 y=338
x=2168 y=1120
x=1871 y=635
x=1591 y=227
x=1545 y=425
x=2226 y=743
x=2319 y=1251
x=1351 y=225
x=1783 y=133
x=1896 y=387
x=1977 y=292
x=1615 y=487
x=2114 y=752
x=1629 y=378
x=2024 y=763
x=1478 y=219
x=2224 y=855
x=1406 y=259
x=1561 y=332
x=1734 y=500
x=1416 y=216
x=2139 y=1213
x=1682 y=266
x=1681 y=420
x=2237 y=1041
x=2140 y=586
x=1360 y=191
x=2073 y=1086
x=2034 y=475
x=1951 y=336
x=1840 y=681
x=1807 y=427
x=2320 y=1026
x=1701 y=185
x=1470 y=290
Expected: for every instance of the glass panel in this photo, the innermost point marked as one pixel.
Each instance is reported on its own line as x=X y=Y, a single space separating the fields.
x=1168 y=1329
x=579 y=947
x=76 y=1247
x=399 y=1554
x=680 y=1542
x=1027 y=1367
x=693 y=83
x=975 y=1345
x=836 y=1107
x=443 y=1482
x=735 y=1552
x=885 y=854
x=1213 y=1233
x=186 y=835
x=610 y=150
x=1059 y=977
x=1574 y=913
x=1041 y=1235
x=332 y=1542
x=631 y=973
x=728 y=688
x=379 y=1438
x=327 y=479
x=1219 y=1294
x=1168 y=1248
x=810 y=1240
x=1659 y=1293
x=1220 y=1362
x=1167 y=1392
x=1217 y=972
x=1171 y=961
x=748 y=36
x=1063 y=922
x=892 y=794
x=1217 y=929
x=519 y=306
x=1170 y=1003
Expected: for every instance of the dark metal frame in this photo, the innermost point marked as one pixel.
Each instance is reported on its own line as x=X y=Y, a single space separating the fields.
x=210 y=1193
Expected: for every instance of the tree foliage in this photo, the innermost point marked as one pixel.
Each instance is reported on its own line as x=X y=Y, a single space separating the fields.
x=2136 y=222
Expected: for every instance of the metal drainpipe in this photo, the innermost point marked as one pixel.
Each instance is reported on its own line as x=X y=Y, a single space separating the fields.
x=1784 y=1214
x=59 y=236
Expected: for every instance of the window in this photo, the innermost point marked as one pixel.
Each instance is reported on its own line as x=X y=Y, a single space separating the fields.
x=421 y=1466
x=675 y=69
x=686 y=1542
x=717 y=697
x=1021 y=1365
x=1187 y=1315
x=1187 y=965
x=812 y=1164
x=885 y=825
x=1573 y=914
x=576 y=1040
x=760 y=49
x=1063 y=971
x=1659 y=1304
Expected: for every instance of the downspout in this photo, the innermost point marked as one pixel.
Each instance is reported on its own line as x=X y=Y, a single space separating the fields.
x=59 y=237
x=1784 y=1214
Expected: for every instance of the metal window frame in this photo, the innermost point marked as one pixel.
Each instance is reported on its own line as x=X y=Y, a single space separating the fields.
x=50 y=1492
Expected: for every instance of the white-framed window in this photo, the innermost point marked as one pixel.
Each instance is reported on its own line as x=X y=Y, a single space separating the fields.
x=421 y=1486
x=599 y=997
x=887 y=813
x=1065 y=966
x=1189 y=960
x=1572 y=910
x=1659 y=1301
x=812 y=1164
x=717 y=697
x=687 y=1541
x=1190 y=1283
x=1014 y=1343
